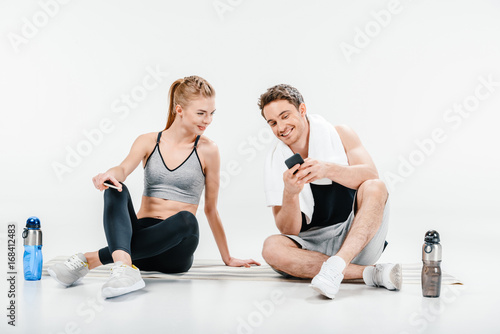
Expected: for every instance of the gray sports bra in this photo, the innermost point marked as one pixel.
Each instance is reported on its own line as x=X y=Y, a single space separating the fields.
x=184 y=183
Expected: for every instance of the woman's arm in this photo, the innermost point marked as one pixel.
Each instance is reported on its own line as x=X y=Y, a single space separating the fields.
x=212 y=181
x=140 y=149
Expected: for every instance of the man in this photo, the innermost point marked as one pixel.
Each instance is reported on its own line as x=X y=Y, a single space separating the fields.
x=332 y=209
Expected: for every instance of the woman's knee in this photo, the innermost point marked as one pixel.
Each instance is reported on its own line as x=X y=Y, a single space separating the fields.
x=189 y=221
x=112 y=195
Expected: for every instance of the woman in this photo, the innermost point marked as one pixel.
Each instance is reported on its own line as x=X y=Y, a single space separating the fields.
x=178 y=162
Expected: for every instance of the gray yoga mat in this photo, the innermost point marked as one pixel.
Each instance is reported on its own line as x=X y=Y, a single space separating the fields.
x=216 y=270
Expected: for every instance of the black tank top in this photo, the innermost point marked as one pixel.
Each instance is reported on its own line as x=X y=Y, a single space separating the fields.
x=332 y=205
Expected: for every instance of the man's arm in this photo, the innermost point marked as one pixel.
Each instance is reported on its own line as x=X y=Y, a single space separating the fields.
x=288 y=217
x=360 y=168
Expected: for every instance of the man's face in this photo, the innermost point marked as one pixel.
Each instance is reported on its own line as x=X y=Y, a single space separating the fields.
x=288 y=123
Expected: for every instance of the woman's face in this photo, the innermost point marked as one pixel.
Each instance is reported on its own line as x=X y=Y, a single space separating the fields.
x=197 y=115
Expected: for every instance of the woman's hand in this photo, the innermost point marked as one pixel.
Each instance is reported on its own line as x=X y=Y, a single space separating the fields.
x=241 y=263
x=100 y=178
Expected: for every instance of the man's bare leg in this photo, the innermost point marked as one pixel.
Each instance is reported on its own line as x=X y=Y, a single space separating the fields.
x=371 y=200
x=283 y=254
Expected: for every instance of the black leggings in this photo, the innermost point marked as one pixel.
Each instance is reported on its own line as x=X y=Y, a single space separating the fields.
x=154 y=244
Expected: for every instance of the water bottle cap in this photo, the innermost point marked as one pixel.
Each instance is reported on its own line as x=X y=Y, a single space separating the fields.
x=432 y=237
x=33 y=222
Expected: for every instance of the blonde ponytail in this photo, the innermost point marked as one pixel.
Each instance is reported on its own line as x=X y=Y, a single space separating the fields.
x=184 y=90
x=172 y=104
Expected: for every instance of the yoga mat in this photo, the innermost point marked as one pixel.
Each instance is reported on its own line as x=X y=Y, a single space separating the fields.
x=216 y=270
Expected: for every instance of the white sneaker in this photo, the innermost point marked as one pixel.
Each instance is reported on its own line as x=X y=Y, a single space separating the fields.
x=124 y=279
x=387 y=275
x=71 y=271
x=327 y=281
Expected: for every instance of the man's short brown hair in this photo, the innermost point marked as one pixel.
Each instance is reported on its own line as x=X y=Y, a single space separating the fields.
x=280 y=92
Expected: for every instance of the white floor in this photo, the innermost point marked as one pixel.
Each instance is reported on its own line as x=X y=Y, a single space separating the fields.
x=228 y=307
x=217 y=306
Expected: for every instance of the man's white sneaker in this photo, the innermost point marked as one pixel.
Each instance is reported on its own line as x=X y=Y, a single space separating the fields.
x=70 y=271
x=327 y=281
x=387 y=275
x=124 y=279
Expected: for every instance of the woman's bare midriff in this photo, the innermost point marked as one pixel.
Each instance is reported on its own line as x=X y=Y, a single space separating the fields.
x=153 y=207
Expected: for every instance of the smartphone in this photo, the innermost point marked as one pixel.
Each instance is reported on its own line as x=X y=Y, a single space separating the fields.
x=293 y=160
x=109 y=184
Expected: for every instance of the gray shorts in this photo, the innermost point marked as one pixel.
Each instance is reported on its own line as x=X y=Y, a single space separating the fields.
x=329 y=239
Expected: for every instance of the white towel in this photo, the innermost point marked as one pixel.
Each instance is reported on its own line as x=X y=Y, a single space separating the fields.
x=324 y=145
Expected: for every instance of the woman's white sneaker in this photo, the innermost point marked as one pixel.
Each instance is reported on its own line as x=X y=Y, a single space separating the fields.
x=70 y=271
x=124 y=279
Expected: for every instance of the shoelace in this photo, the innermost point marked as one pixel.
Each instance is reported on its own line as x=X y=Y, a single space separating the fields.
x=74 y=262
x=332 y=274
x=378 y=276
x=117 y=270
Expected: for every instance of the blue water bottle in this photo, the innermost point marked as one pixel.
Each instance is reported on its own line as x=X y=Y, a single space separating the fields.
x=32 y=259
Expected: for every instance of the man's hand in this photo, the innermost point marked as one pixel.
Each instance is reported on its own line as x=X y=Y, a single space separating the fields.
x=293 y=185
x=312 y=170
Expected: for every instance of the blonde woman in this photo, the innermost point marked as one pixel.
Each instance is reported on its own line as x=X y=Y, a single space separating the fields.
x=178 y=163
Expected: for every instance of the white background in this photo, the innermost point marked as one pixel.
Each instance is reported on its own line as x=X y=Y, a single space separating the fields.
x=63 y=79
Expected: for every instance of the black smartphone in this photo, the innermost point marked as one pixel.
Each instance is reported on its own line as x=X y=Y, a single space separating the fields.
x=293 y=160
